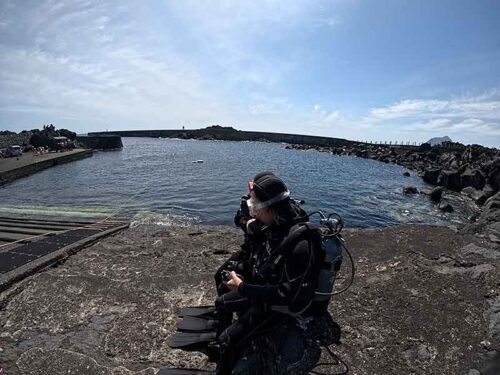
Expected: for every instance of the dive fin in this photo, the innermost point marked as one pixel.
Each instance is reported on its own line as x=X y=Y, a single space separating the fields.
x=191 y=340
x=197 y=311
x=184 y=371
x=197 y=324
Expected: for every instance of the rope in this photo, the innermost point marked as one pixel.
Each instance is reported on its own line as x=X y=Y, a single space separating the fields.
x=353 y=271
x=335 y=362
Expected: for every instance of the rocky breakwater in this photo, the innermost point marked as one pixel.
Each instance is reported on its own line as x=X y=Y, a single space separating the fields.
x=472 y=170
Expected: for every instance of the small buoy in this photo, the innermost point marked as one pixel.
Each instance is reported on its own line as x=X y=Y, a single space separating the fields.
x=197 y=161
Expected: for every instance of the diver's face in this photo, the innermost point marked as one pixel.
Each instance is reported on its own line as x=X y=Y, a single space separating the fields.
x=264 y=215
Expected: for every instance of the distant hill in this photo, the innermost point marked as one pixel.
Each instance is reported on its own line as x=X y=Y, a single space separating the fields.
x=438 y=140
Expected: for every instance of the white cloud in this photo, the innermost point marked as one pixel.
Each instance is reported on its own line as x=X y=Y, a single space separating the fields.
x=148 y=64
x=478 y=107
x=465 y=127
x=166 y=63
x=465 y=117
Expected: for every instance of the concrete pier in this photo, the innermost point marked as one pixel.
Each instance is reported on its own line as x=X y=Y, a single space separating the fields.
x=29 y=163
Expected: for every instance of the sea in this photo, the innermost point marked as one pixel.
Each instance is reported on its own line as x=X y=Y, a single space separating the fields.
x=201 y=181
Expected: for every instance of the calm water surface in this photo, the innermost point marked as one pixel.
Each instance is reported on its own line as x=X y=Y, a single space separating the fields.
x=158 y=176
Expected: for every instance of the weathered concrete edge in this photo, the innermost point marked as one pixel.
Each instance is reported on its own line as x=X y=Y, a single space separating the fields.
x=27 y=170
x=11 y=277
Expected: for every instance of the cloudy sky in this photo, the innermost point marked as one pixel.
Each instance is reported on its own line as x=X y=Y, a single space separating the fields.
x=358 y=69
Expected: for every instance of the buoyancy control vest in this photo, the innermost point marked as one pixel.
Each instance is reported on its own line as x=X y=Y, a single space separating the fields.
x=302 y=287
x=317 y=282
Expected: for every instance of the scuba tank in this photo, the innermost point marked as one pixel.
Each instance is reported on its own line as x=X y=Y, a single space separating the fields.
x=332 y=245
x=331 y=226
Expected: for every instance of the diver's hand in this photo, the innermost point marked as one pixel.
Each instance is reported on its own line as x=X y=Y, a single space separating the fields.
x=234 y=282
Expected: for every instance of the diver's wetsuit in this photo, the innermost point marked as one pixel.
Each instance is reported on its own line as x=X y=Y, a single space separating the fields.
x=275 y=284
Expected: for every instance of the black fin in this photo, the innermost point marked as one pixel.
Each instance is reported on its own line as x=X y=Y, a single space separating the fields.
x=191 y=340
x=184 y=371
x=197 y=324
x=197 y=311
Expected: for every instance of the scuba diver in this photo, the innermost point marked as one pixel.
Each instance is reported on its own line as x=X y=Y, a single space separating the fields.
x=271 y=285
x=275 y=279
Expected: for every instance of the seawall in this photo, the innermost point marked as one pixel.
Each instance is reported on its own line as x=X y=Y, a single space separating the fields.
x=17 y=168
x=100 y=142
x=230 y=134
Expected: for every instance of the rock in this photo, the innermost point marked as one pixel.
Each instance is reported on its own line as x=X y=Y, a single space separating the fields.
x=450 y=179
x=463 y=168
x=410 y=189
x=436 y=193
x=445 y=207
x=431 y=176
x=406 y=174
x=478 y=196
x=474 y=178
x=489 y=220
x=417 y=354
x=487 y=253
x=477 y=272
x=473 y=371
x=494 y=174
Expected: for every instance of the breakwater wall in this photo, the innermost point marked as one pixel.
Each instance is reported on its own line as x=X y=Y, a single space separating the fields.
x=100 y=142
x=31 y=168
x=231 y=134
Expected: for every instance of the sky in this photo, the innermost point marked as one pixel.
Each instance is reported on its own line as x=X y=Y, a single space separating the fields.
x=366 y=70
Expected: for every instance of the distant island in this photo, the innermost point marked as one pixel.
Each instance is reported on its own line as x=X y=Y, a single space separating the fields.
x=438 y=140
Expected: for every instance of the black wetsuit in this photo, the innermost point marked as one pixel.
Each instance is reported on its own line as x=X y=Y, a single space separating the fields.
x=276 y=284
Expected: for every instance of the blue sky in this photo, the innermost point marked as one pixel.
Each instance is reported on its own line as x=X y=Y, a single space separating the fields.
x=362 y=70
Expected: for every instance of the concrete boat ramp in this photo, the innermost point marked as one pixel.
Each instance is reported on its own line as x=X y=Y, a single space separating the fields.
x=28 y=245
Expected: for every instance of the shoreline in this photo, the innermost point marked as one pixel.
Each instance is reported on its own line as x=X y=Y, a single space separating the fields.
x=472 y=171
x=111 y=307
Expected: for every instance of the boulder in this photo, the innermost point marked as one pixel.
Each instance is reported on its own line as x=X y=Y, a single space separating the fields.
x=446 y=207
x=450 y=179
x=431 y=175
x=436 y=193
x=447 y=158
x=489 y=219
x=410 y=189
x=474 y=178
x=463 y=168
x=494 y=174
x=478 y=196
x=406 y=174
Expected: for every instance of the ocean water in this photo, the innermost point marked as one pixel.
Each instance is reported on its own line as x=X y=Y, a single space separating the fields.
x=158 y=177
